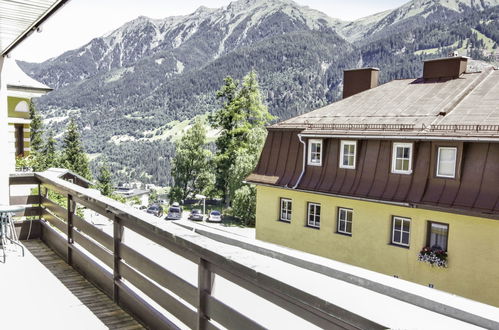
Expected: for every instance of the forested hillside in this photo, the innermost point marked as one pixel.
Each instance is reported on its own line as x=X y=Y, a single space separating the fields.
x=130 y=89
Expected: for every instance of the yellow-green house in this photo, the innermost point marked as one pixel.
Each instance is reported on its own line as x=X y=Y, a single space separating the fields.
x=21 y=89
x=401 y=178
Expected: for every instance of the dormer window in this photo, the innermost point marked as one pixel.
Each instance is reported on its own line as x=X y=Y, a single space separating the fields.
x=446 y=162
x=402 y=158
x=347 y=154
x=315 y=152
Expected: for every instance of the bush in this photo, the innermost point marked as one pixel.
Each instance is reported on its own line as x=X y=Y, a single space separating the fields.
x=244 y=205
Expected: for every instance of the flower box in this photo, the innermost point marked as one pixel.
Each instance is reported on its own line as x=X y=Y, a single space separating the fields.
x=435 y=257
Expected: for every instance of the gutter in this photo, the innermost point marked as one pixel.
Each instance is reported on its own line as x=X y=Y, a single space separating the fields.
x=300 y=137
x=33 y=27
x=403 y=137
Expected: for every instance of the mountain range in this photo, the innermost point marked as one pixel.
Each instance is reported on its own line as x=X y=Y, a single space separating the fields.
x=135 y=89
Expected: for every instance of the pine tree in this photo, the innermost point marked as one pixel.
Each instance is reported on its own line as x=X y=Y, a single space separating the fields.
x=36 y=129
x=105 y=184
x=49 y=152
x=73 y=156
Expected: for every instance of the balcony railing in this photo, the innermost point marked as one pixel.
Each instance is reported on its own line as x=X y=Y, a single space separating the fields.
x=136 y=281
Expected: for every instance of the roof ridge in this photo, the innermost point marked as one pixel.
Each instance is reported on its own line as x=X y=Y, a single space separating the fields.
x=465 y=92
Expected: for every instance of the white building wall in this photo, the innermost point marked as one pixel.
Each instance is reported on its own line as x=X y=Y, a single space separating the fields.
x=7 y=160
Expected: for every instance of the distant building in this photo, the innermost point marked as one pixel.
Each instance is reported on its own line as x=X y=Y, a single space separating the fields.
x=132 y=195
x=399 y=178
x=20 y=90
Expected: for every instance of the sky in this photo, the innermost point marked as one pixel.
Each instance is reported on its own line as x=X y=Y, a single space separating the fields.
x=80 y=21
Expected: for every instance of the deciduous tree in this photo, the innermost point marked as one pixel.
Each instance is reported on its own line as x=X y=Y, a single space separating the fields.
x=191 y=163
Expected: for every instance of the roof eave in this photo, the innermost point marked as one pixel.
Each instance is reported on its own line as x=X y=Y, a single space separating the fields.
x=56 y=6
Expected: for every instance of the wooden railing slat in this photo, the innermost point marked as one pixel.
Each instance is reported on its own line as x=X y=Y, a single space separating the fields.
x=24 y=200
x=32 y=211
x=143 y=230
x=105 y=256
x=94 y=232
x=26 y=179
x=160 y=275
x=229 y=317
x=164 y=299
x=56 y=209
x=54 y=220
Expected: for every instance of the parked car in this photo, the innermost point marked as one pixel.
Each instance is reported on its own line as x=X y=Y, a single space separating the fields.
x=196 y=214
x=174 y=212
x=156 y=210
x=215 y=216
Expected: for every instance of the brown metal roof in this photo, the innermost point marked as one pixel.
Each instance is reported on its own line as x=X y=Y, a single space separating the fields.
x=473 y=190
x=470 y=101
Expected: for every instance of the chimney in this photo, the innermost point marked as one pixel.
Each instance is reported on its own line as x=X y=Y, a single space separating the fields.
x=359 y=80
x=447 y=67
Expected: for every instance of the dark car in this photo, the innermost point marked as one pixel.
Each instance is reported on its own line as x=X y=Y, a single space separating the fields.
x=196 y=214
x=174 y=212
x=155 y=210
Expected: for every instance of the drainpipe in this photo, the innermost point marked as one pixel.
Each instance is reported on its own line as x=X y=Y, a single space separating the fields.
x=300 y=137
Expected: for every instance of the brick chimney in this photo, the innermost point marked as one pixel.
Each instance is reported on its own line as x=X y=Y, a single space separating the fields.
x=447 y=67
x=359 y=80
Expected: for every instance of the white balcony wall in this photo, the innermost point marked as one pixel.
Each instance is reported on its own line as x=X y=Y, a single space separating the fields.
x=7 y=156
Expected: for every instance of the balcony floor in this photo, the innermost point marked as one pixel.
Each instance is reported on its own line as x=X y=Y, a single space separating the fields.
x=41 y=291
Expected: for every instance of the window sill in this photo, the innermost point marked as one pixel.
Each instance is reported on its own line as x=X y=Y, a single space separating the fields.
x=285 y=221
x=314 y=164
x=312 y=227
x=402 y=173
x=400 y=246
x=344 y=234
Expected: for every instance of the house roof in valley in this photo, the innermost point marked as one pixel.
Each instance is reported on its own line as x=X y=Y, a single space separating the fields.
x=466 y=107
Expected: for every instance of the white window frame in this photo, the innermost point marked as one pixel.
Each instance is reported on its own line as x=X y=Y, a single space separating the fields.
x=309 y=158
x=342 y=154
x=287 y=209
x=345 y=221
x=401 y=243
x=438 y=163
x=316 y=223
x=394 y=157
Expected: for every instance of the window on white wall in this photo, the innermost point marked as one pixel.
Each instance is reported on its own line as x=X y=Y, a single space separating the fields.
x=315 y=152
x=348 y=150
x=402 y=158
x=446 y=162
x=314 y=215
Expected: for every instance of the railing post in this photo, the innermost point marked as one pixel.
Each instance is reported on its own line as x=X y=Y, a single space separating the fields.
x=71 y=211
x=205 y=286
x=117 y=238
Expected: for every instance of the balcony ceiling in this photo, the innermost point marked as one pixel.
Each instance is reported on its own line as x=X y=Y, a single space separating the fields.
x=18 y=18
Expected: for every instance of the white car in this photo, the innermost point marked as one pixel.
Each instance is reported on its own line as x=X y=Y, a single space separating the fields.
x=215 y=216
